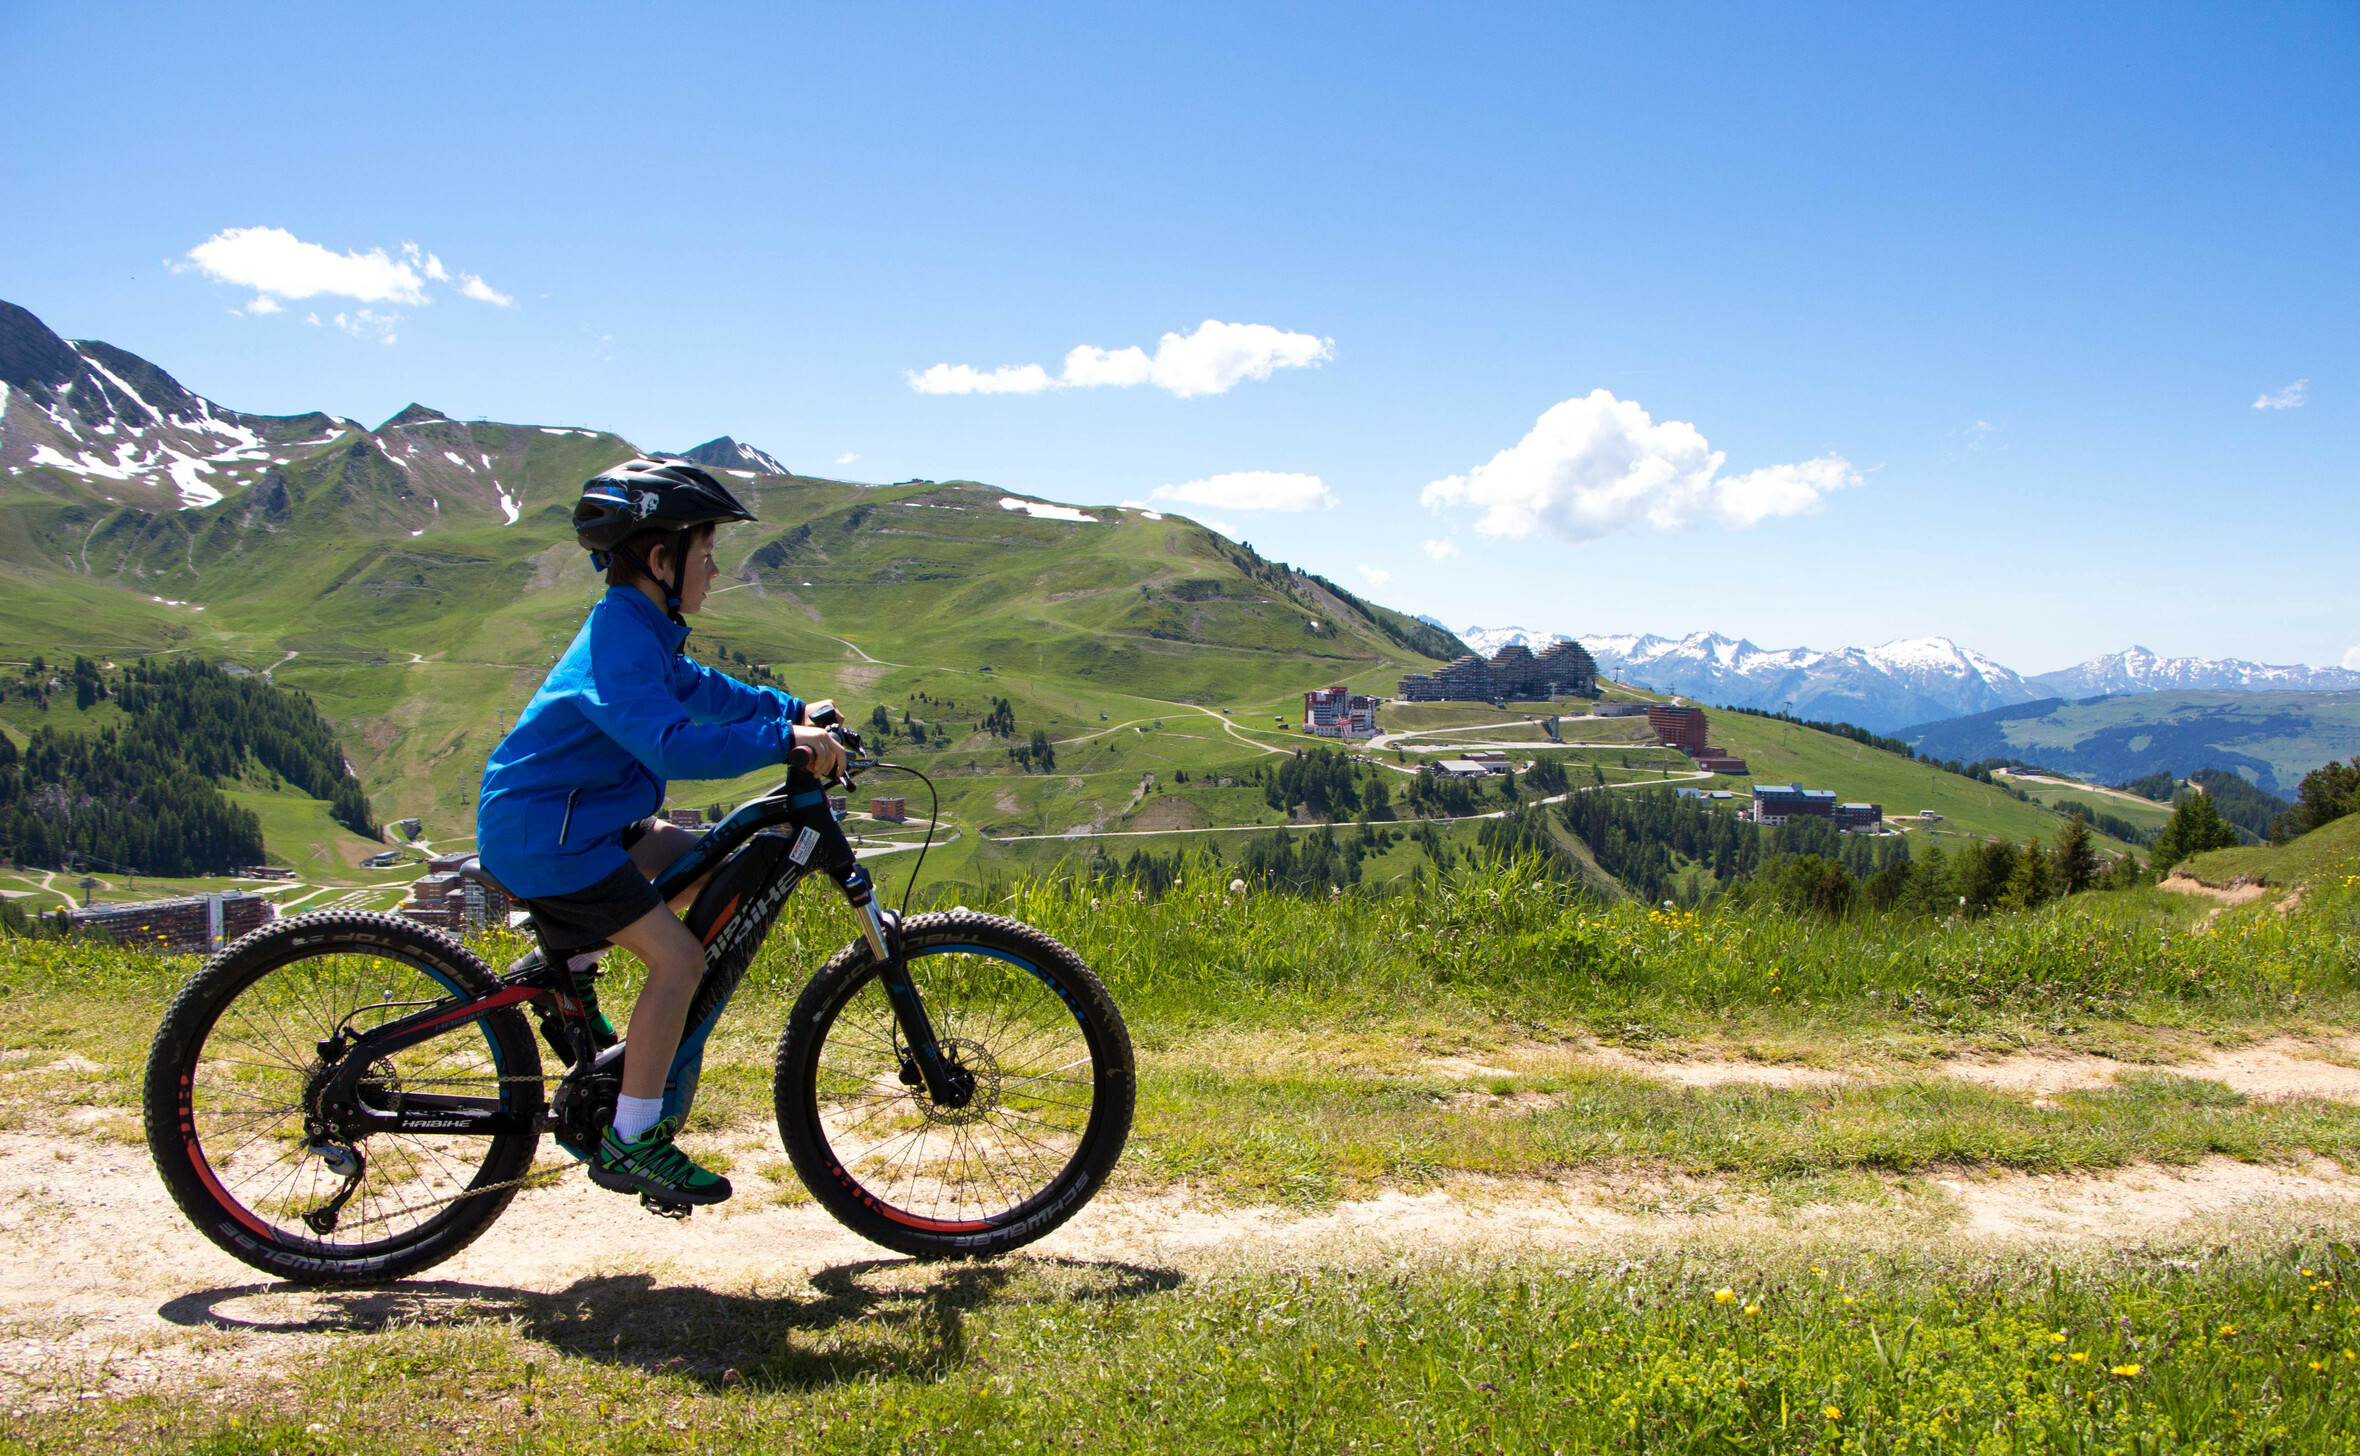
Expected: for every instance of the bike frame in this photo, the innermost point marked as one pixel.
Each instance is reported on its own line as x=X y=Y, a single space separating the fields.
x=753 y=866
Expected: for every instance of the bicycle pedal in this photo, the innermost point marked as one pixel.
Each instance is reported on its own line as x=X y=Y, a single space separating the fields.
x=664 y=1207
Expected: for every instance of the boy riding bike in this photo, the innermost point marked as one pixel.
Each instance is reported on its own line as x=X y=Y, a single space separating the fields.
x=567 y=819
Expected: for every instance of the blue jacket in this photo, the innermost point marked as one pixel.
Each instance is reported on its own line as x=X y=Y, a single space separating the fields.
x=621 y=713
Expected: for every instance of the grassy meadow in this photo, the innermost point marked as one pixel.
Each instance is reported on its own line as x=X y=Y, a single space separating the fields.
x=1482 y=1031
x=1834 y=1348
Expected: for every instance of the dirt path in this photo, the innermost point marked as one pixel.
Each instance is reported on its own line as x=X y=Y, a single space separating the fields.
x=2280 y=1068
x=2239 y=892
x=105 y=1288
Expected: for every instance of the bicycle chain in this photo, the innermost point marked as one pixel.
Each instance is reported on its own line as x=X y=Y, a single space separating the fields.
x=550 y=1174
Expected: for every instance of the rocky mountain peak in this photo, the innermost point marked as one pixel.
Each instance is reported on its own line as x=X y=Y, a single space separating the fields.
x=725 y=453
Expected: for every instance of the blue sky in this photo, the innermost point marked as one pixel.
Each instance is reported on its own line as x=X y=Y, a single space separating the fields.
x=1977 y=310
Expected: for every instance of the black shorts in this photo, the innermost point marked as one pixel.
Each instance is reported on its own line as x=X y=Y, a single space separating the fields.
x=583 y=919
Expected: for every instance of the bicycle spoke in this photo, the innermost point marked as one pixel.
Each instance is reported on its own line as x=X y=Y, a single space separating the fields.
x=1033 y=1091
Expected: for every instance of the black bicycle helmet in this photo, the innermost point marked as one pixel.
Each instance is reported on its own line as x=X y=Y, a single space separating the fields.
x=651 y=495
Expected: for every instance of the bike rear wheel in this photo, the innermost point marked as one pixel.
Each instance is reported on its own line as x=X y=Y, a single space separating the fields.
x=235 y=1073
x=1054 y=1083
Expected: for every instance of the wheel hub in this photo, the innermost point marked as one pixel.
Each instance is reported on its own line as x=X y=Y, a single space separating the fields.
x=975 y=1062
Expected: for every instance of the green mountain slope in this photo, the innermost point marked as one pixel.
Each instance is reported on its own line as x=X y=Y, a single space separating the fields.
x=418 y=578
x=2271 y=739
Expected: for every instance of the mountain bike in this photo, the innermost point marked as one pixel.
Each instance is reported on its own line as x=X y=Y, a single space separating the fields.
x=346 y=1097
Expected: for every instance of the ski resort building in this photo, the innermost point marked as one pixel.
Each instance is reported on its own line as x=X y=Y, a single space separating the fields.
x=194 y=926
x=1679 y=727
x=1564 y=669
x=1339 y=712
x=1777 y=803
x=1860 y=818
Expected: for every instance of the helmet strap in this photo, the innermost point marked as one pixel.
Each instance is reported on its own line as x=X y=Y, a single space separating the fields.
x=679 y=573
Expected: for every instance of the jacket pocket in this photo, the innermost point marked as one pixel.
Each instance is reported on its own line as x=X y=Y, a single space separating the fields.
x=566 y=826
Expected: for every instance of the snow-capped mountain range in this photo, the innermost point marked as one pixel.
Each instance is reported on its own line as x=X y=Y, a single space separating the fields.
x=2142 y=671
x=1914 y=680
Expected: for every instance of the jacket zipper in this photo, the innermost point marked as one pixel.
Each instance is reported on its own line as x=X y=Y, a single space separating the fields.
x=567 y=827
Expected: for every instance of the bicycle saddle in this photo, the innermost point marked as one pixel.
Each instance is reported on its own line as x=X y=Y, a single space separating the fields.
x=474 y=870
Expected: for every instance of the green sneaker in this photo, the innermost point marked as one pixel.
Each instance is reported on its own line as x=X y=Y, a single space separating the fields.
x=650 y=1165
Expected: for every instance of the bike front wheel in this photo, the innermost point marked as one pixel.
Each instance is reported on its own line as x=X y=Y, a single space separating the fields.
x=1053 y=1087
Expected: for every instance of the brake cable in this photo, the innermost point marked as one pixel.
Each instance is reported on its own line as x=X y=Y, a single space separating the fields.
x=933 y=816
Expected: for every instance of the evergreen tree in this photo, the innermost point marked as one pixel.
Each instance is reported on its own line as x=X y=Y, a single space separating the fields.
x=2032 y=882
x=2076 y=859
x=2196 y=826
x=2123 y=874
x=1982 y=873
x=2328 y=793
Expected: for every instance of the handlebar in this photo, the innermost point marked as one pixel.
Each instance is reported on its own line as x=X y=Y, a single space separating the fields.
x=823 y=714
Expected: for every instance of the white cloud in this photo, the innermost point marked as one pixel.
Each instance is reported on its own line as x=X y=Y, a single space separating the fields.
x=278 y=265
x=482 y=292
x=1595 y=465
x=312 y=318
x=433 y=265
x=1250 y=490
x=846 y=458
x=967 y=379
x=2352 y=659
x=1780 y=490
x=368 y=324
x=1088 y=368
x=1375 y=576
x=1212 y=360
x=2291 y=397
x=1439 y=550
x=274 y=261
x=1218 y=356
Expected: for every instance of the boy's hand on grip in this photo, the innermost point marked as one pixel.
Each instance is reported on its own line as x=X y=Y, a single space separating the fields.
x=820 y=751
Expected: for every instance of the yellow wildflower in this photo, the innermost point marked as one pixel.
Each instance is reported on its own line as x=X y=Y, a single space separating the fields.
x=1757 y=1309
x=2058 y=1337
x=2126 y=1371
x=1725 y=1296
x=2079 y=1356
x=2227 y=1330
x=1833 y=1412
x=1847 y=1299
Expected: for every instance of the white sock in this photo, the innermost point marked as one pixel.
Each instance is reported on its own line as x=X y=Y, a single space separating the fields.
x=635 y=1115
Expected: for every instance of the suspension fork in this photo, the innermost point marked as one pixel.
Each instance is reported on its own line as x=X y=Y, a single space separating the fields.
x=948 y=1085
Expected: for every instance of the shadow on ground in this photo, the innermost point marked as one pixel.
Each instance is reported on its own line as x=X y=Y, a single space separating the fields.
x=853 y=1321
